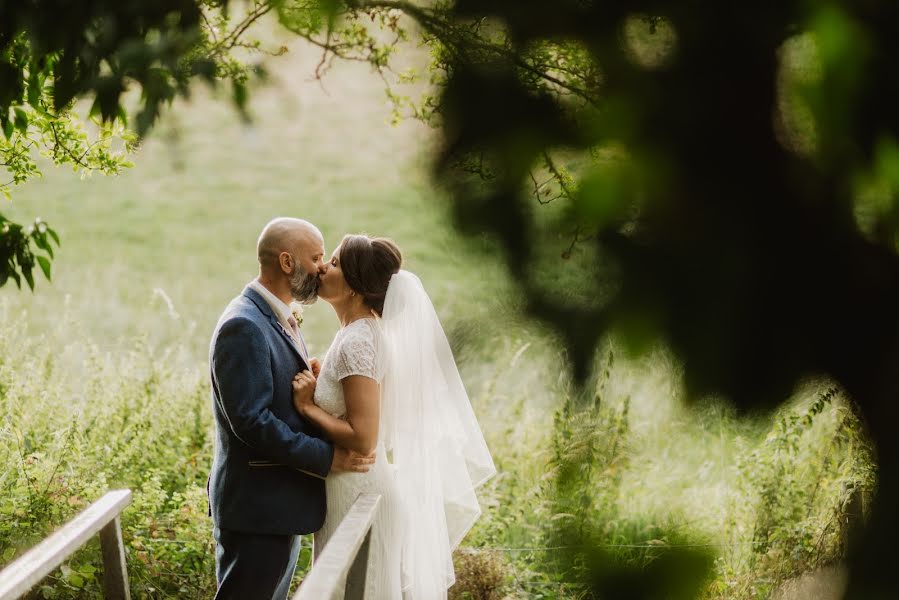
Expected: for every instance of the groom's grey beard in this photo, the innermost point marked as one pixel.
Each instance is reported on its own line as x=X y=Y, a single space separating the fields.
x=304 y=286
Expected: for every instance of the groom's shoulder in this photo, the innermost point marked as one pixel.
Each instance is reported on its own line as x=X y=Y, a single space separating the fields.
x=241 y=311
x=242 y=307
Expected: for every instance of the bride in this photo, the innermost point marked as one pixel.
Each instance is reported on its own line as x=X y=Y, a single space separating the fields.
x=389 y=386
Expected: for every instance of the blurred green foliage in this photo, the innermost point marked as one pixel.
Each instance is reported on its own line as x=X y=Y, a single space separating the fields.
x=750 y=130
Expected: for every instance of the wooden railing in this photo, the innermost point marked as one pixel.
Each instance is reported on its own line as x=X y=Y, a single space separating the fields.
x=345 y=558
x=102 y=516
x=343 y=562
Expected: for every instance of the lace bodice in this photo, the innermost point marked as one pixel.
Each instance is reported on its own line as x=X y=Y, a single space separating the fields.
x=354 y=351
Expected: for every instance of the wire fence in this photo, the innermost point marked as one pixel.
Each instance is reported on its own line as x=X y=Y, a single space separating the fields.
x=646 y=545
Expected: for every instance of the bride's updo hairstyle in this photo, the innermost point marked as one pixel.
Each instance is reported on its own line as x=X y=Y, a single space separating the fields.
x=368 y=263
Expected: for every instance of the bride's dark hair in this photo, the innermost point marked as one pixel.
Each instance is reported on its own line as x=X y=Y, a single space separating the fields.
x=368 y=263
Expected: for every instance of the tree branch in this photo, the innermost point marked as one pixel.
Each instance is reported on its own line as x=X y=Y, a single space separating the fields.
x=209 y=27
x=433 y=23
x=557 y=174
x=66 y=150
x=260 y=11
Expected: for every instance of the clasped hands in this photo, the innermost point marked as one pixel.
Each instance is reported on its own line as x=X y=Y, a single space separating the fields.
x=304 y=388
x=303 y=393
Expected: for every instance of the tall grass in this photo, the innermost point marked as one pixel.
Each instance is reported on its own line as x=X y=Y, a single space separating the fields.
x=631 y=489
x=79 y=421
x=623 y=467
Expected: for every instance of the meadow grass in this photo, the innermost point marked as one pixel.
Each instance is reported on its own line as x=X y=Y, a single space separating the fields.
x=103 y=372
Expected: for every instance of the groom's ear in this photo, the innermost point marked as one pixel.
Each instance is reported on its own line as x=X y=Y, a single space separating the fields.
x=285 y=260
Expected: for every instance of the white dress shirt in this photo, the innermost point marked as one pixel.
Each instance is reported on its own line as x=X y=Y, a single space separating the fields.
x=283 y=313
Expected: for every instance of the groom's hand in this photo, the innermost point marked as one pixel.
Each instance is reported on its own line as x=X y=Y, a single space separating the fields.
x=349 y=461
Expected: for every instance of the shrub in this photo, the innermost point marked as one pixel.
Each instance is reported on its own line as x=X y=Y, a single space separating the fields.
x=480 y=575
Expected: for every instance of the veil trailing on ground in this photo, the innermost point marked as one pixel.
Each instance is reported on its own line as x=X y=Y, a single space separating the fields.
x=432 y=435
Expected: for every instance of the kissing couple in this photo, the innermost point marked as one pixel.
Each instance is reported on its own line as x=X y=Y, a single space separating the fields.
x=298 y=440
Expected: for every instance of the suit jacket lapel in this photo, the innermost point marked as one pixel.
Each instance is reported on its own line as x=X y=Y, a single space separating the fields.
x=290 y=340
x=266 y=309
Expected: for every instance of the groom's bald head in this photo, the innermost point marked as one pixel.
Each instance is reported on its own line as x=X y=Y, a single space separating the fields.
x=291 y=259
x=286 y=234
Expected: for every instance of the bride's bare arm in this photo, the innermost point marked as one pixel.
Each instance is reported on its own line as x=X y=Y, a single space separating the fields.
x=362 y=395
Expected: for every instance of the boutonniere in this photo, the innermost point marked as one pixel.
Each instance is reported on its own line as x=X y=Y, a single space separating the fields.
x=297 y=313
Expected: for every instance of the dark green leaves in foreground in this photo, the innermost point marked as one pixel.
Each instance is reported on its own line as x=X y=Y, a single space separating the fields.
x=55 y=51
x=98 y=48
x=730 y=181
x=22 y=249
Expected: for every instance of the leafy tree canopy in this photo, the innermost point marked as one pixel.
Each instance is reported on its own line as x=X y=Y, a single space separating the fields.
x=53 y=52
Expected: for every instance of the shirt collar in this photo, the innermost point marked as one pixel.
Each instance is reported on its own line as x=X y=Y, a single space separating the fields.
x=282 y=311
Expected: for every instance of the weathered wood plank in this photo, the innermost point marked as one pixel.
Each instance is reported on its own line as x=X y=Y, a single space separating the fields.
x=22 y=574
x=331 y=568
x=355 y=579
x=115 y=573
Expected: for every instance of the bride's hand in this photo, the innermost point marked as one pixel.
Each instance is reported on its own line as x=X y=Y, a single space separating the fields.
x=316 y=366
x=303 y=391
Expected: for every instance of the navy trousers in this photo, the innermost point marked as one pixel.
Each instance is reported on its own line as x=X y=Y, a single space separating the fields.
x=251 y=566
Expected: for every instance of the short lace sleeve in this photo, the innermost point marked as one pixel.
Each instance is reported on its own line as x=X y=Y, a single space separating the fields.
x=358 y=352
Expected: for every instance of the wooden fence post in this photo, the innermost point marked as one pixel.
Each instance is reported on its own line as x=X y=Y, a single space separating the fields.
x=102 y=517
x=115 y=573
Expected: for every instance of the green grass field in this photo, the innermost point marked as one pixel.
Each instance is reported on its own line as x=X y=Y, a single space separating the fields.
x=103 y=372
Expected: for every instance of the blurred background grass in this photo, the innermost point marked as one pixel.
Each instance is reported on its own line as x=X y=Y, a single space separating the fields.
x=185 y=221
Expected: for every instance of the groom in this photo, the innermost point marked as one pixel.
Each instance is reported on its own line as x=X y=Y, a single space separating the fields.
x=267 y=482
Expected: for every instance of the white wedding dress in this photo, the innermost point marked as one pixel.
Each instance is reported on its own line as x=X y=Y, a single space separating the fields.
x=355 y=352
x=438 y=456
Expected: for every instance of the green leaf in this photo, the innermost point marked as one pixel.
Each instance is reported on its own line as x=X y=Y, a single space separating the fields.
x=21 y=121
x=28 y=277
x=8 y=129
x=240 y=96
x=35 y=86
x=87 y=570
x=41 y=241
x=205 y=68
x=53 y=235
x=109 y=89
x=45 y=266
x=329 y=8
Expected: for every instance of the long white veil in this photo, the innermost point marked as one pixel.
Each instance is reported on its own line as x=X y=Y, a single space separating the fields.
x=431 y=432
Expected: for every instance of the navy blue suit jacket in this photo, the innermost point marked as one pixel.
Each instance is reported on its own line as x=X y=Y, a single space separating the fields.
x=269 y=466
